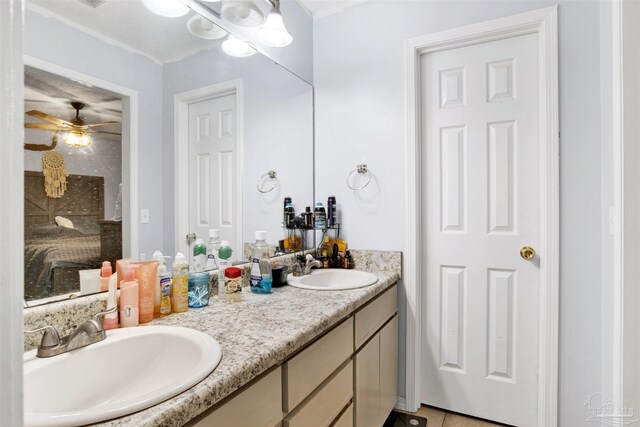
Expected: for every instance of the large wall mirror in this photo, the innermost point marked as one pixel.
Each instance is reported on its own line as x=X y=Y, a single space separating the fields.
x=142 y=132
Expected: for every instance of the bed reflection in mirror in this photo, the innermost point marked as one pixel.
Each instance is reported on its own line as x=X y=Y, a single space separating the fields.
x=72 y=181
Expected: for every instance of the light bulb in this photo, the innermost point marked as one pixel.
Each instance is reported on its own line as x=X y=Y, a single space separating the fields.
x=77 y=138
x=273 y=32
x=235 y=47
x=168 y=8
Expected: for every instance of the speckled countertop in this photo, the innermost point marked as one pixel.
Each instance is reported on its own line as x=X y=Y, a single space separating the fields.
x=256 y=334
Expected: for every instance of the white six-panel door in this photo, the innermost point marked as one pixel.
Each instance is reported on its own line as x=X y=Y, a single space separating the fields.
x=481 y=202
x=212 y=168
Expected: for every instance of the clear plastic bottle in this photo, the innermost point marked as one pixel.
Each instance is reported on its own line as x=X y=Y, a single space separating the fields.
x=261 y=278
x=213 y=245
x=180 y=284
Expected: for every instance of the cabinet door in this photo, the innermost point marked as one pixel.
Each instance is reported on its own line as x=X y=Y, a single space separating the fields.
x=260 y=405
x=388 y=368
x=367 y=396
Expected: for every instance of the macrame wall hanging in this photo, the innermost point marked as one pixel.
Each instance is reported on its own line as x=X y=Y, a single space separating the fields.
x=55 y=175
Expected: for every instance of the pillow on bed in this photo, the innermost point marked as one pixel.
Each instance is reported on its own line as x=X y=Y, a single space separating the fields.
x=64 y=222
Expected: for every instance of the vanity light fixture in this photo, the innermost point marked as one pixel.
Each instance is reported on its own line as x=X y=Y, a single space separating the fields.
x=204 y=29
x=167 y=8
x=236 y=47
x=244 y=13
x=273 y=32
x=77 y=138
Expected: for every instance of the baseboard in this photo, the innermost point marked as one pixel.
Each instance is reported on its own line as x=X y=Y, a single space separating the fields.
x=401 y=404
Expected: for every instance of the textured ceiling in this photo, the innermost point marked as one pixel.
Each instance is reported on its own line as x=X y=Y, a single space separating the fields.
x=52 y=95
x=127 y=23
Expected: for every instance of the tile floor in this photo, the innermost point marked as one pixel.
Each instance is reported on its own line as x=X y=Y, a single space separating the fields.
x=440 y=418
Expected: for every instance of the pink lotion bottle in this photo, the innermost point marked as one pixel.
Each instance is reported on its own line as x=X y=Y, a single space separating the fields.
x=105 y=274
x=129 y=299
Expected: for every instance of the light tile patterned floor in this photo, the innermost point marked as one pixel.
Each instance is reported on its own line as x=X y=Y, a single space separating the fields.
x=439 y=418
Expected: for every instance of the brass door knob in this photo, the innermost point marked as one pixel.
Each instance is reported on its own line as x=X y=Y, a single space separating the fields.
x=527 y=252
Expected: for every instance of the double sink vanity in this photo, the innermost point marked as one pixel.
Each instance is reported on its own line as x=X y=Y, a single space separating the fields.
x=297 y=357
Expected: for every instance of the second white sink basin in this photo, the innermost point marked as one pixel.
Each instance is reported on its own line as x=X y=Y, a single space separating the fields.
x=132 y=369
x=333 y=280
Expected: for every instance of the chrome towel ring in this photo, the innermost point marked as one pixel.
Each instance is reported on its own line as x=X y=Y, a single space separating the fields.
x=272 y=177
x=360 y=169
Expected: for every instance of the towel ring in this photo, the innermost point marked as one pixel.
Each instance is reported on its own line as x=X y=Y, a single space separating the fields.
x=361 y=169
x=272 y=175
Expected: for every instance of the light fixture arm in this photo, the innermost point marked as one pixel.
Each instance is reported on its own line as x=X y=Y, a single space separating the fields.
x=274 y=3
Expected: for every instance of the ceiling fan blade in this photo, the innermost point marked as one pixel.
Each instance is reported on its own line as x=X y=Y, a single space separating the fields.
x=43 y=116
x=45 y=126
x=104 y=132
x=99 y=124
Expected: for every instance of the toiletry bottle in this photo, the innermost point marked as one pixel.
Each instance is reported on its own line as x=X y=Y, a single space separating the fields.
x=212 y=249
x=199 y=289
x=105 y=275
x=162 y=301
x=199 y=258
x=111 y=320
x=128 y=299
x=289 y=216
x=260 y=253
x=331 y=211
x=308 y=217
x=320 y=216
x=224 y=258
x=180 y=284
x=232 y=289
x=325 y=247
x=146 y=274
x=287 y=200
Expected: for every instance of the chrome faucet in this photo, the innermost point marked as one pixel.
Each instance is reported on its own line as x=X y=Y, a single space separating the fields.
x=309 y=264
x=87 y=333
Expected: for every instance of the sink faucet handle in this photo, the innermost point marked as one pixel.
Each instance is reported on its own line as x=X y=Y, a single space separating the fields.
x=50 y=339
x=310 y=257
x=100 y=316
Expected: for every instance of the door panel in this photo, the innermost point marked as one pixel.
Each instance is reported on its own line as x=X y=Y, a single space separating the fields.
x=213 y=187
x=481 y=199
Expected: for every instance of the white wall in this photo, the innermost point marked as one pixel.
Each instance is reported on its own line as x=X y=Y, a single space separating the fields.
x=52 y=41
x=102 y=158
x=278 y=134
x=359 y=83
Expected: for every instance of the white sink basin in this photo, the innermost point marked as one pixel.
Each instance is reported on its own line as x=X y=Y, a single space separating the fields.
x=132 y=369
x=333 y=280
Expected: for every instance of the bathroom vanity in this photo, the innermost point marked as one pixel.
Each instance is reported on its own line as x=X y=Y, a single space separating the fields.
x=296 y=357
x=349 y=370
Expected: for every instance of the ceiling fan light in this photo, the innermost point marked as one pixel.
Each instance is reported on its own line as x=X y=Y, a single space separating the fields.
x=236 y=47
x=167 y=8
x=77 y=138
x=273 y=32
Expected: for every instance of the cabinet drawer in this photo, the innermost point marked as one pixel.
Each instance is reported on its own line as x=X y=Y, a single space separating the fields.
x=307 y=370
x=373 y=316
x=346 y=419
x=260 y=405
x=325 y=405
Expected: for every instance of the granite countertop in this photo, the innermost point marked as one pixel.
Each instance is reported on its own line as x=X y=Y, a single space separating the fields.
x=256 y=334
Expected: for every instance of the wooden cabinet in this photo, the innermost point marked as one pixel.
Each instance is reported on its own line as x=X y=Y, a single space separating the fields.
x=111 y=241
x=376 y=376
x=325 y=384
x=258 y=405
x=305 y=371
